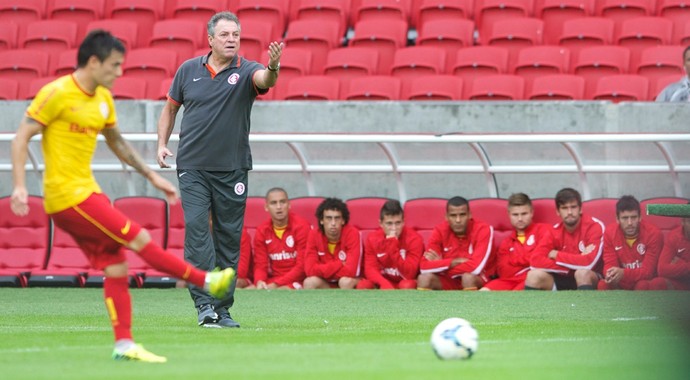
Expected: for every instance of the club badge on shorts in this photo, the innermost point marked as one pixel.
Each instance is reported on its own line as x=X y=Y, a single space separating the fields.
x=234 y=78
x=239 y=188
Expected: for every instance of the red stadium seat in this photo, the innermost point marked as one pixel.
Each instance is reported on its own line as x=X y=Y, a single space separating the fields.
x=163 y=89
x=274 y=12
x=586 y=32
x=124 y=30
x=478 y=61
x=385 y=35
x=8 y=35
x=151 y=64
x=144 y=13
x=176 y=226
x=655 y=87
x=488 y=12
x=638 y=34
x=619 y=88
x=24 y=241
x=65 y=64
x=556 y=12
x=599 y=61
x=433 y=10
x=376 y=87
x=197 y=10
x=348 y=63
x=365 y=212
x=516 y=34
x=434 y=87
x=603 y=209
x=8 y=89
x=660 y=61
x=545 y=211
x=533 y=62
x=255 y=37
x=312 y=87
x=129 y=88
x=423 y=214
x=23 y=65
x=497 y=87
x=682 y=34
x=677 y=11
x=306 y=208
x=255 y=212
x=22 y=12
x=36 y=84
x=50 y=36
x=495 y=212
x=415 y=61
x=319 y=37
x=333 y=11
x=665 y=223
x=181 y=36
x=557 y=87
x=619 y=10
x=293 y=63
x=67 y=263
x=381 y=10
x=449 y=35
x=80 y=12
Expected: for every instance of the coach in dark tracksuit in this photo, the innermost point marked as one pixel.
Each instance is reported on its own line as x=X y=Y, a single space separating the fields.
x=213 y=160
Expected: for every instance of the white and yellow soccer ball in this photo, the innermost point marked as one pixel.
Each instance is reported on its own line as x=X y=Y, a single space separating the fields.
x=454 y=339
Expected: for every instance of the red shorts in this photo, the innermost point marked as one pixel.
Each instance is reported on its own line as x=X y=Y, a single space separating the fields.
x=100 y=230
x=512 y=283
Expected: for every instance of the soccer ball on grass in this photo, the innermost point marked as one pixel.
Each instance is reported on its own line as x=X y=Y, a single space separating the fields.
x=454 y=339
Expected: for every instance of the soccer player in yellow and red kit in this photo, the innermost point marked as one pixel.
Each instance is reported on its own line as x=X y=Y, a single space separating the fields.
x=674 y=263
x=631 y=250
x=575 y=261
x=392 y=253
x=458 y=251
x=512 y=259
x=70 y=112
x=279 y=245
x=334 y=250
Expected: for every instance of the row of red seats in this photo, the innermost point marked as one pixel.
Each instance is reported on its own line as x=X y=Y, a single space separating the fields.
x=33 y=252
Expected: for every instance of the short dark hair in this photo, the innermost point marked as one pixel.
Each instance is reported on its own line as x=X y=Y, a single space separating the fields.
x=229 y=16
x=456 y=202
x=100 y=43
x=390 y=208
x=627 y=203
x=332 y=204
x=274 y=189
x=567 y=195
x=519 y=199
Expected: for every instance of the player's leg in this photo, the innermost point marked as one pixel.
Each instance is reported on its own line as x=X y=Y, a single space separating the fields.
x=471 y=281
x=407 y=284
x=348 y=282
x=315 y=282
x=429 y=281
x=538 y=279
x=365 y=284
x=586 y=279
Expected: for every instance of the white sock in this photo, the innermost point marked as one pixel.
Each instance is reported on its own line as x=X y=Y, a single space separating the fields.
x=123 y=345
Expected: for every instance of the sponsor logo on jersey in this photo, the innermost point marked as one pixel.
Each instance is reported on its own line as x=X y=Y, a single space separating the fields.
x=403 y=253
x=530 y=240
x=290 y=241
x=641 y=249
x=342 y=255
x=268 y=241
x=618 y=247
x=379 y=255
x=234 y=78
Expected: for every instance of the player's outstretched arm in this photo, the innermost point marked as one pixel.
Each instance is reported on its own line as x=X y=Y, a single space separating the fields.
x=124 y=151
x=19 y=202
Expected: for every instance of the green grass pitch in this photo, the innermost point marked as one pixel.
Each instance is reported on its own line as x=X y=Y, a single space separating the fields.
x=335 y=334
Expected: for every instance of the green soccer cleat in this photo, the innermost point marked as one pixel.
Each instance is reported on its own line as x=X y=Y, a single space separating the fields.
x=219 y=282
x=139 y=354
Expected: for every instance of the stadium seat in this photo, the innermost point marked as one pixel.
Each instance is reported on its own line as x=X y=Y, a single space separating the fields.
x=619 y=10
x=545 y=211
x=348 y=63
x=8 y=89
x=603 y=209
x=50 y=36
x=655 y=87
x=640 y=33
x=255 y=212
x=126 y=88
x=151 y=64
x=619 y=88
x=293 y=63
x=595 y=62
x=434 y=87
x=312 y=87
x=80 y=12
x=255 y=37
x=478 y=61
x=375 y=87
x=271 y=11
x=497 y=87
x=124 y=30
x=488 y=12
x=495 y=212
x=365 y=212
x=36 y=84
x=664 y=223
x=306 y=208
x=144 y=13
x=23 y=65
x=65 y=63
x=423 y=214
x=198 y=10
x=585 y=32
x=516 y=34
x=681 y=34
x=555 y=13
x=8 y=35
x=432 y=10
x=22 y=13
x=176 y=227
x=333 y=11
x=67 y=263
x=415 y=61
x=181 y=36
x=380 y=10
x=319 y=37
x=533 y=62
x=677 y=11
x=449 y=35
x=557 y=87
x=24 y=241
x=660 y=61
x=385 y=35
x=163 y=89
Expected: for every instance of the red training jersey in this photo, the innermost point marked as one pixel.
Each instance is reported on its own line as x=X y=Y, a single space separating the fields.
x=281 y=260
x=243 y=266
x=392 y=259
x=343 y=262
x=475 y=246
x=513 y=258
x=639 y=262
x=674 y=262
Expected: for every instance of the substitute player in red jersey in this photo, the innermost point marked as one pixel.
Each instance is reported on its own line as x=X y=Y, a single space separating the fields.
x=392 y=252
x=674 y=263
x=575 y=261
x=631 y=250
x=458 y=251
x=512 y=261
x=245 y=264
x=70 y=112
x=279 y=245
x=334 y=250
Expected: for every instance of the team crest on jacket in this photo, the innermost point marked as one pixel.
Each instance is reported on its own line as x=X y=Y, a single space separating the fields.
x=342 y=255
x=234 y=78
x=641 y=249
x=530 y=240
x=581 y=246
x=403 y=253
x=239 y=188
x=290 y=241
